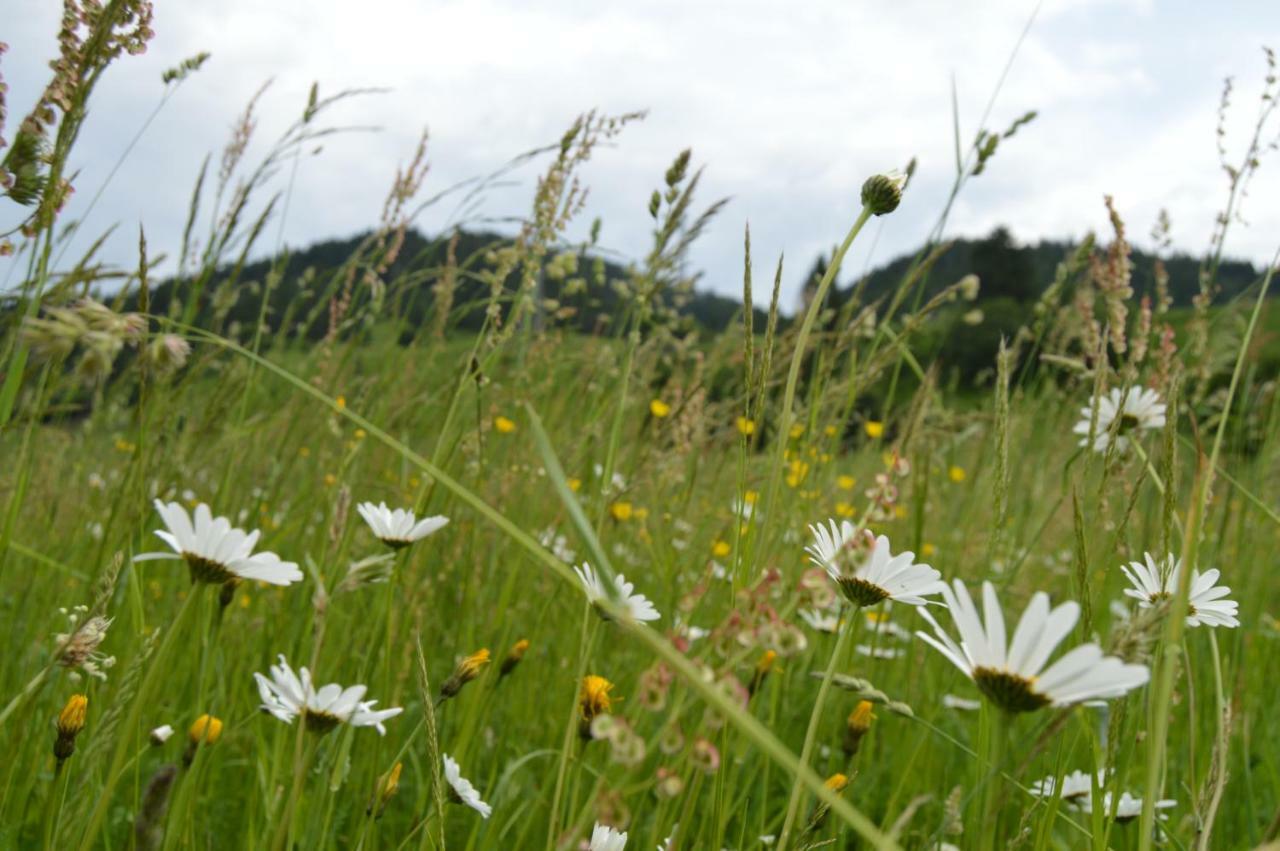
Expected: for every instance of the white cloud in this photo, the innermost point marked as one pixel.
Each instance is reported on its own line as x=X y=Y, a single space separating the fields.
x=790 y=106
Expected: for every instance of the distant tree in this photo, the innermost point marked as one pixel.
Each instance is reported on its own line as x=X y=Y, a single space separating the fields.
x=1006 y=270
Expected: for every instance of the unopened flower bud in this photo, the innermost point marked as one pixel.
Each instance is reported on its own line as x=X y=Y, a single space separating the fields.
x=514 y=656
x=882 y=193
x=856 y=726
x=466 y=671
x=205 y=730
x=388 y=785
x=70 y=723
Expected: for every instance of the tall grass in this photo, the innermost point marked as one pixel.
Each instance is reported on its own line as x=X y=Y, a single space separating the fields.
x=693 y=463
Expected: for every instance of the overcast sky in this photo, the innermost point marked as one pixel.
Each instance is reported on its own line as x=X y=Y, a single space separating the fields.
x=789 y=105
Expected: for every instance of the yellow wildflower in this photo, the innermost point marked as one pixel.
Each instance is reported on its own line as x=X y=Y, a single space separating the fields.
x=504 y=425
x=659 y=408
x=874 y=428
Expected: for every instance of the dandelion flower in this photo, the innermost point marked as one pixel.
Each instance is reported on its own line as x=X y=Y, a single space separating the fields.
x=593 y=700
x=1138 y=409
x=637 y=606
x=464 y=672
x=1013 y=675
x=69 y=724
x=605 y=838
x=1154 y=582
x=287 y=695
x=398 y=528
x=867 y=578
x=873 y=428
x=460 y=789
x=215 y=551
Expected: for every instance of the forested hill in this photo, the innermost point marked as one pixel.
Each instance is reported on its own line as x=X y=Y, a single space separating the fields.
x=1021 y=272
x=1009 y=272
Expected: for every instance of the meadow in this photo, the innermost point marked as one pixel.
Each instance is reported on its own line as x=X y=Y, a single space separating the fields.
x=705 y=589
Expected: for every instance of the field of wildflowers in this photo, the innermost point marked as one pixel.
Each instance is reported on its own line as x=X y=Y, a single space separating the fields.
x=778 y=587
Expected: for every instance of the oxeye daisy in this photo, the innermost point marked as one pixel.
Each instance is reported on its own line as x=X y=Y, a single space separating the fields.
x=637 y=606
x=864 y=568
x=1138 y=409
x=287 y=695
x=398 y=528
x=1013 y=675
x=460 y=789
x=605 y=838
x=1075 y=786
x=1128 y=807
x=215 y=551
x=1154 y=582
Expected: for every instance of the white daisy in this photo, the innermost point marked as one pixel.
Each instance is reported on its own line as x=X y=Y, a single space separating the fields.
x=1154 y=582
x=867 y=578
x=1139 y=408
x=1127 y=808
x=287 y=696
x=820 y=621
x=637 y=606
x=605 y=838
x=878 y=652
x=398 y=528
x=460 y=789
x=558 y=544
x=1075 y=786
x=1013 y=675
x=951 y=701
x=215 y=551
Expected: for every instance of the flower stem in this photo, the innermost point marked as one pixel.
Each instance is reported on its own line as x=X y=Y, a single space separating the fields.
x=811 y=733
x=130 y=726
x=797 y=357
x=995 y=723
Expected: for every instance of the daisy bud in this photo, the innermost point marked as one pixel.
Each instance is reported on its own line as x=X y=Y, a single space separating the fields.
x=468 y=669
x=514 y=656
x=882 y=193
x=70 y=723
x=856 y=726
x=388 y=785
x=160 y=735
